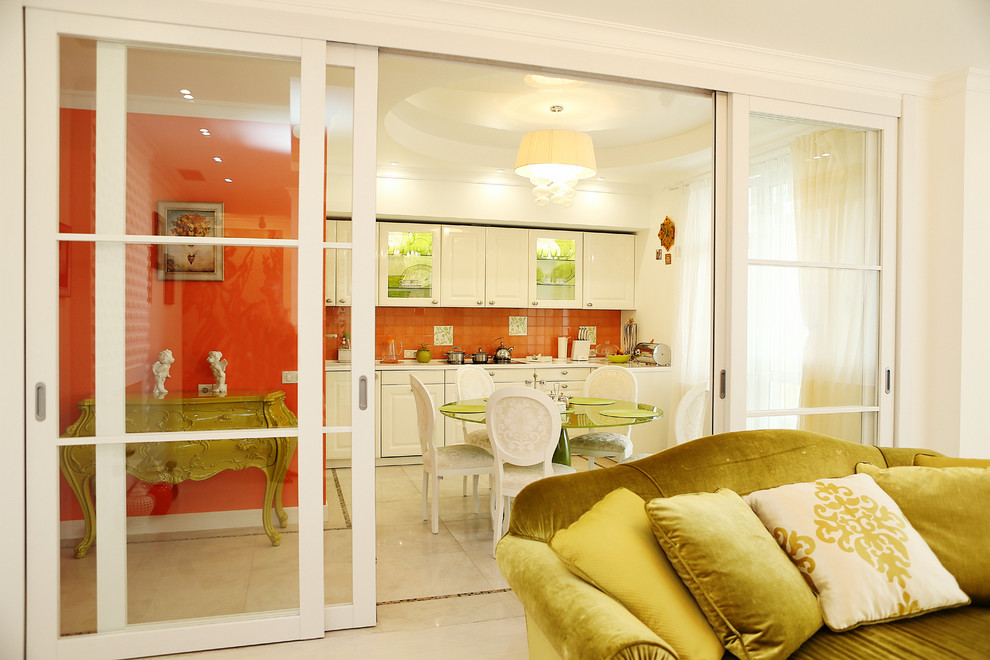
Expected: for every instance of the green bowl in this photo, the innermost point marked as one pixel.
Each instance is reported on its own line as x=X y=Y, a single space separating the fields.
x=618 y=358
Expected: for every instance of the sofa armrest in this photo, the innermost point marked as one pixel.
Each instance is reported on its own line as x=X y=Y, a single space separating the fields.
x=576 y=618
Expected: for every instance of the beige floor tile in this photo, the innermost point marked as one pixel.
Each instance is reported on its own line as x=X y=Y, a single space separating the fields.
x=418 y=576
x=444 y=612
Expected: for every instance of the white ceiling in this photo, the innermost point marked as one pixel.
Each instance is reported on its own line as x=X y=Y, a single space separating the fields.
x=923 y=37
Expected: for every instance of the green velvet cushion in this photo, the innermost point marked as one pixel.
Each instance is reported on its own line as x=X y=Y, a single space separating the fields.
x=950 y=508
x=750 y=592
x=612 y=546
x=924 y=460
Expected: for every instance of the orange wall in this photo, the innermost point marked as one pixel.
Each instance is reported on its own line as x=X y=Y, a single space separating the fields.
x=248 y=316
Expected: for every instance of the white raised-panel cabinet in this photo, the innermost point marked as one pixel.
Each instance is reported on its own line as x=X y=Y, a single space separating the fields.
x=556 y=265
x=462 y=281
x=338 y=411
x=609 y=271
x=330 y=265
x=506 y=267
x=343 y=263
x=337 y=264
x=399 y=435
x=409 y=265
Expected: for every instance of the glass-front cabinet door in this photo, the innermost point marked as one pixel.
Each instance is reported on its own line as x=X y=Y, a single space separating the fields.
x=178 y=333
x=555 y=268
x=408 y=265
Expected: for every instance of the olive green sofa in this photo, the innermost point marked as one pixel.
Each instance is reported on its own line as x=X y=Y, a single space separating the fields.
x=566 y=617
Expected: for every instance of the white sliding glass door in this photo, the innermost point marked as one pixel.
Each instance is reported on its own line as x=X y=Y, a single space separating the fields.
x=178 y=496
x=811 y=271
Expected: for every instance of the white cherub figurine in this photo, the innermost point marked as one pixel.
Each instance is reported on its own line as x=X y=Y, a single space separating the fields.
x=218 y=366
x=161 y=370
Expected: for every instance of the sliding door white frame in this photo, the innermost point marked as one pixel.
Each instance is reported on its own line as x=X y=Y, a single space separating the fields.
x=115 y=638
x=731 y=310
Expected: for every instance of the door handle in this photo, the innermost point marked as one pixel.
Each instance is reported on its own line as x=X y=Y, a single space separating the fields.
x=363 y=392
x=721 y=386
x=39 y=402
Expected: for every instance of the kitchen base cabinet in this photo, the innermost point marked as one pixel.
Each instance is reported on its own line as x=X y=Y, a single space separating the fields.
x=338 y=413
x=399 y=430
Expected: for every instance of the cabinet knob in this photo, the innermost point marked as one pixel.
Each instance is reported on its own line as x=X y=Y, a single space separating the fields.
x=528 y=381
x=329 y=301
x=563 y=373
x=491 y=302
x=435 y=301
x=481 y=302
x=535 y=302
x=563 y=386
x=491 y=373
x=343 y=300
x=589 y=304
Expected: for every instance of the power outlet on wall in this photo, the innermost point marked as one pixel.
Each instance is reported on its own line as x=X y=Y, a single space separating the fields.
x=409 y=355
x=204 y=388
x=290 y=376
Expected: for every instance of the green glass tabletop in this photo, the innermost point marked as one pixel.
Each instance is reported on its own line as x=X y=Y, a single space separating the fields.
x=579 y=415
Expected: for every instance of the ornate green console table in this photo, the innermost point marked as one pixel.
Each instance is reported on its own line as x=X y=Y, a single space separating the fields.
x=174 y=462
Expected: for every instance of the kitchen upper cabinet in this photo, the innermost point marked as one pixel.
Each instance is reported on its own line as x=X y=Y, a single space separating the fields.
x=483 y=267
x=506 y=267
x=609 y=271
x=556 y=269
x=408 y=259
x=337 y=264
x=462 y=281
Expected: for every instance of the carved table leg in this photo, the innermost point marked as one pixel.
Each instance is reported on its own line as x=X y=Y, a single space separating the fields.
x=266 y=506
x=80 y=483
x=285 y=447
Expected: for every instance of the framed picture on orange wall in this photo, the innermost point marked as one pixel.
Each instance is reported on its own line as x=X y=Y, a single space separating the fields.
x=200 y=262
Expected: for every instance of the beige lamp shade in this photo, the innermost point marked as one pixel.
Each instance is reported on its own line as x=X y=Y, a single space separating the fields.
x=556 y=155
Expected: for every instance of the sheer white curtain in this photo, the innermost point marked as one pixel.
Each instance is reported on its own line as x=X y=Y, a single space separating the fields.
x=838 y=305
x=775 y=334
x=691 y=354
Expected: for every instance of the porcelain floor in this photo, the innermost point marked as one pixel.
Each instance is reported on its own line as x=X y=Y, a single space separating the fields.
x=433 y=590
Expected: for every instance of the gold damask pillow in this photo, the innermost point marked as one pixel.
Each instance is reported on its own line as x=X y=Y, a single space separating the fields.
x=857 y=550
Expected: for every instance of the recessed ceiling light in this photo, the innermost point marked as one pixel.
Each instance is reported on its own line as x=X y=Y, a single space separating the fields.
x=204 y=131
x=500 y=171
x=601 y=178
x=217 y=159
x=229 y=180
x=184 y=91
x=188 y=96
x=394 y=164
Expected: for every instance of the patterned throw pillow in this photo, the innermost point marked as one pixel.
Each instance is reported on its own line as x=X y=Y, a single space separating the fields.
x=857 y=551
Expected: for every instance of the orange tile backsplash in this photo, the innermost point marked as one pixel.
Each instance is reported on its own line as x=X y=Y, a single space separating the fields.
x=474 y=328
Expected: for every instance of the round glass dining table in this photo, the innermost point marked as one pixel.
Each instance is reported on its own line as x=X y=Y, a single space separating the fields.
x=581 y=413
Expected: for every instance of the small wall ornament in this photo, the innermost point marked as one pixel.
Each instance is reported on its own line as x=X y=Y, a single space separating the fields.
x=666 y=236
x=161 y=371
x=218 y=367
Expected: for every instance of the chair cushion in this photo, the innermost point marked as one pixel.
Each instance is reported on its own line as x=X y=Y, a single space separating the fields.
x=612 y=546
x=939 y=504
x=752 y=595
x=463 y=456
x=603 y=441
x=479 y=439
x=857 y=549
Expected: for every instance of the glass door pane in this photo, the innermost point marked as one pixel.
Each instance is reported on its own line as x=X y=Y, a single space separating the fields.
x=814 y=277
x=192 y=336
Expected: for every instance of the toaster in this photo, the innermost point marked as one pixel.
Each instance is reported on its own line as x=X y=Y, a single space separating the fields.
x=652 y=354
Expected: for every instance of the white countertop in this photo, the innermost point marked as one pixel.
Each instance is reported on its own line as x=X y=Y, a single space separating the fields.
x=520 y=363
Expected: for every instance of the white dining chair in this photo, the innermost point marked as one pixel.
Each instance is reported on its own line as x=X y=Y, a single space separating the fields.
x=448 y=461
x=474 y=383
x=524 y=427
x=607 y=383
x=691 y=413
